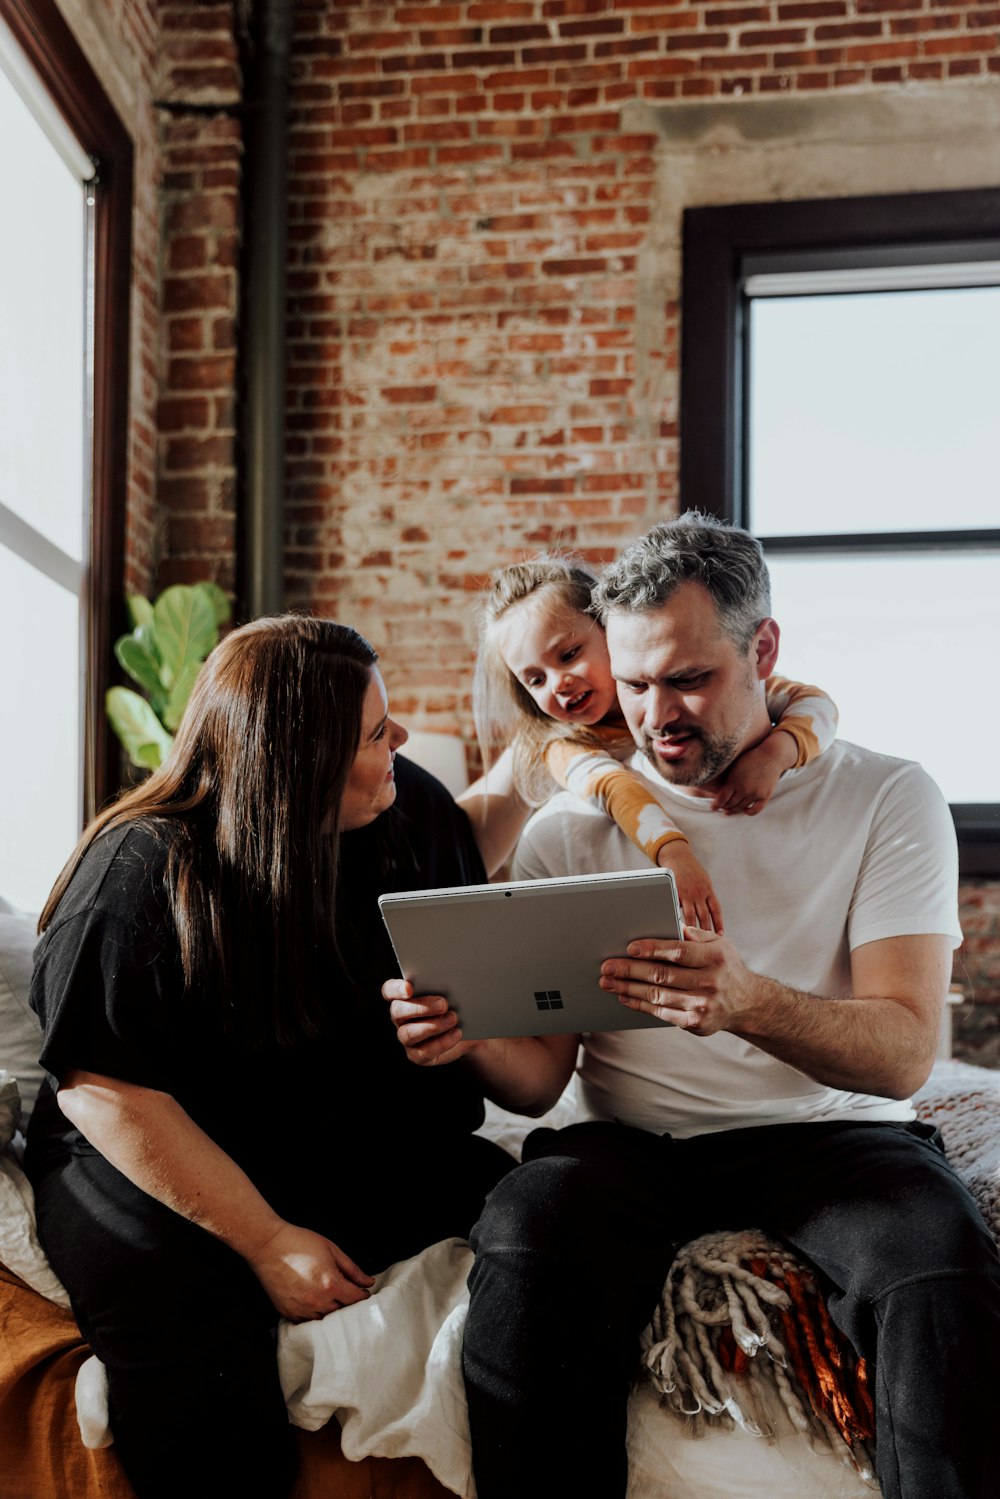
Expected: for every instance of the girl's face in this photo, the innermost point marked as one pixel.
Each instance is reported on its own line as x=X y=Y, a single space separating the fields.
x=371 y=786
x=560 y=658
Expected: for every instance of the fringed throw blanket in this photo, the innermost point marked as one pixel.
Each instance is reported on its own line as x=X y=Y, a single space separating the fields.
x=742 y=1330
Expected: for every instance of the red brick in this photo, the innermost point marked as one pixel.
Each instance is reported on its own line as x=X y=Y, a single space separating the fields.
x=841 y=30
x=737 y=15
x=175 y=413
x=516 y=34
x=812 y=10
x=774 y=36
x=946 y=45
x=186 y=334
x=197 y=293
x=409 y=395
x=568 y=52
x=371 y=88
x=693 y=41
x=450 y=36
x=542 y=486
x=195 y=454
x=187 y=252
x=213 y=372
x=518 y=78
x=218 y=211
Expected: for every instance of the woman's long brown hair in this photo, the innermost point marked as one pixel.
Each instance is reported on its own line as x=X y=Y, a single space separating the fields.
x=256 y=772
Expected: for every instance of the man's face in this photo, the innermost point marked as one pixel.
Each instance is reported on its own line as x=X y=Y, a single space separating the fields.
x=692 y=700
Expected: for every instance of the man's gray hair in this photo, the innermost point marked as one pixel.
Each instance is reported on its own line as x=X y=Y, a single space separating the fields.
x=694 y=548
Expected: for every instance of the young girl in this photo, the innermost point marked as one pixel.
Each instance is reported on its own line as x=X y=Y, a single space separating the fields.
x=544 y=684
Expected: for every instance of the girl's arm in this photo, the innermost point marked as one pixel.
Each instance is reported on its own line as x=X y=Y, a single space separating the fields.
x=596 y=777
x=497 y=812
x=149 y=1138
x=806 y=713
x=805 y=724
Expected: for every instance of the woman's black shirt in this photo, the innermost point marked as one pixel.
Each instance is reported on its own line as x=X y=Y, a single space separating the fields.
x=325 y=1128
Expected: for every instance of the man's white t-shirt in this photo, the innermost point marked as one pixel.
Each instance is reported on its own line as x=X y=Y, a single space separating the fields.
x=852 y=848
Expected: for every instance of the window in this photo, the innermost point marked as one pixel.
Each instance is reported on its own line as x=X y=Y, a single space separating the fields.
x=64 y=276
x=840 y=390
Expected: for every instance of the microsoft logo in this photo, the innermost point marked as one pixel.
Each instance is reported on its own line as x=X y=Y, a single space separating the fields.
x=548 y=999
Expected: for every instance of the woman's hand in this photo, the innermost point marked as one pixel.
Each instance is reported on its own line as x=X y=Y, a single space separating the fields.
x=425 y=1025
x=305 y=1275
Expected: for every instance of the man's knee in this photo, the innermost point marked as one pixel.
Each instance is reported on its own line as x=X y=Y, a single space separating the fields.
x=590 y=1184
x=544 y=1207
x=931 y=1230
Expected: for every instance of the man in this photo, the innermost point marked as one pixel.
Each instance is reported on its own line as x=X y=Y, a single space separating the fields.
x=775 y=1094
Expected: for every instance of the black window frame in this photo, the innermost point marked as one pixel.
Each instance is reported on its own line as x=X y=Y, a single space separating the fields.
x=718 y=242
x=52 y=49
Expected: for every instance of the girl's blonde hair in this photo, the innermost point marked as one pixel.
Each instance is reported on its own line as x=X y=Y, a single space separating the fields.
x=505 y=712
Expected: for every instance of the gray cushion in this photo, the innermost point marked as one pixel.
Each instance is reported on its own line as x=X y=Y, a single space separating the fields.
x=20 y=1034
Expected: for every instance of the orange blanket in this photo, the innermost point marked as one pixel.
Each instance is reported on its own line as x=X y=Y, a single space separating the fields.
x=41 y=1454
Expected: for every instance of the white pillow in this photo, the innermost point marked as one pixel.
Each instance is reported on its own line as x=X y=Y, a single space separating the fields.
x=20 y=1033
x=20 y=1250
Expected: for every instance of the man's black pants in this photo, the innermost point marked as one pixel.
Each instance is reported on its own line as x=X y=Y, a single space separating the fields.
x=573 y=1247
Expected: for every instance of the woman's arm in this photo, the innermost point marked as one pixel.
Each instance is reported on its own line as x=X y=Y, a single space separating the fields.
x=496 y=811
x=149 y=1138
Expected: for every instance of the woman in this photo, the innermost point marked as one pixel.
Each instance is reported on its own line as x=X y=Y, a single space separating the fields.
x=236 y=1134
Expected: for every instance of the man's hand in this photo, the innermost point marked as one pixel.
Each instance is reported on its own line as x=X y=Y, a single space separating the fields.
x=305 y=1275
x=699 y=984
x=881 y=1039
x=425 y=1025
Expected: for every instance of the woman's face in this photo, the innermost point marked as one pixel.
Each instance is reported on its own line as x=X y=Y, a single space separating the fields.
x=370 y=788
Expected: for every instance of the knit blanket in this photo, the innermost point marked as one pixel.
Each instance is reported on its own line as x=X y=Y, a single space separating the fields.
x=742 y=1335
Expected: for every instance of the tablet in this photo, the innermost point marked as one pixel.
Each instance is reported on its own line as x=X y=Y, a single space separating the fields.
x=524 y=958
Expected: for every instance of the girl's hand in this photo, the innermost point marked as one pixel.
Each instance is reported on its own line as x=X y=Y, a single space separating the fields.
x=425 y=1025
x=695 y=890
x=750 y=781
x=305 y=1275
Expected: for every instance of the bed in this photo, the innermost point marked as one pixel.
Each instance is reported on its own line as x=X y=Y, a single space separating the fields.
x=375 y=1390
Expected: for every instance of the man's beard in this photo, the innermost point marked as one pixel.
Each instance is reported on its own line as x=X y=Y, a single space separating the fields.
x=717 y=753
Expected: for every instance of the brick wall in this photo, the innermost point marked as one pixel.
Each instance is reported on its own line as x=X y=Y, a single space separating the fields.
x=977 y=974
x=199 y=99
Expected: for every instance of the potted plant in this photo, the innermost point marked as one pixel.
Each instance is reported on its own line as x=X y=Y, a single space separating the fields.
x=163 y=653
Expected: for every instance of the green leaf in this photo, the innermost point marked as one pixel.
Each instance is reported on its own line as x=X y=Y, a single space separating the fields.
x=140 y=610
x=184 y=622
x=145 y=739
x=135 y=657
x=218 y=599
x=181 y=691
